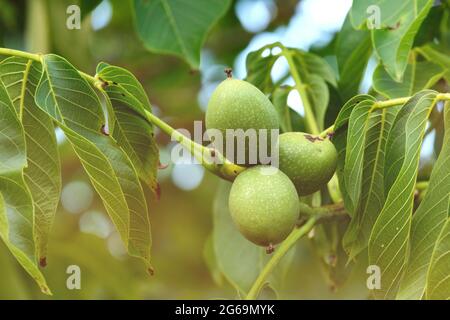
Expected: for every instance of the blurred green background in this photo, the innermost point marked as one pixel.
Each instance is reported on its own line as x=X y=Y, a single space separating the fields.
x=182 y=219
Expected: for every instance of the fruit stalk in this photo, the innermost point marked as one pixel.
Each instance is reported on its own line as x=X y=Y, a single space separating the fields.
x=278 y=255
x=209 y=158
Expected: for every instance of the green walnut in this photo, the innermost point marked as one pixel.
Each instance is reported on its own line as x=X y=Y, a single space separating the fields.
x=237 y=104
x=264 y=205
x=309 y=161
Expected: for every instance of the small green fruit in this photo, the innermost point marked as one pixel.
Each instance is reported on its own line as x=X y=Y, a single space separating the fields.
x=264 y=205
x=309 y=161
x=237 y=104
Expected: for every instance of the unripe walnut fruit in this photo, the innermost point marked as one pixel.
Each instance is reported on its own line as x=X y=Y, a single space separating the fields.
x=237 y=104
x=309 y=161
x=264 y=205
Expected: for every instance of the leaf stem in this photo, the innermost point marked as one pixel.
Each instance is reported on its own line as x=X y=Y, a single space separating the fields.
x=301 y=88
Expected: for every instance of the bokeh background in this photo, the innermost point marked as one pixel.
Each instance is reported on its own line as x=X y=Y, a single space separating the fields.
x=182 y=218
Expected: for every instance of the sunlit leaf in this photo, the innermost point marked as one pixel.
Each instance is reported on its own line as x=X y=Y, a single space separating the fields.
x=70 y=100
x=16 y=205
x=42 y=174
x=132 y=132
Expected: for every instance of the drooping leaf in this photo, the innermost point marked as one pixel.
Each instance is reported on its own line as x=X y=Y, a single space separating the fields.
x=16 y=205
x=418 y=76
x=389 y=239
x=358 y=127
x=340 y=142
x=353 y=50
x=42 y=174
x=132 y=132
x=71 y=101
x=428 y=220
x=394 y=37
x=177 y=27
x=372 y=196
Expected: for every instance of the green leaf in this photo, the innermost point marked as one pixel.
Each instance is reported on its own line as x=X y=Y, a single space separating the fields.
x=42 y=175
x=438 y=280
x=16 y=206
x=399 y=23
x=353 y=50
x=429 y=218
x=315 y=73
x=309 y=63
x=418 y=76
x=388 y=243
x=259 y=65
x=319 y=95
x=437 y=54
x=132 y=132
x=279 y=101
x=340 y=141
x=354 y=157
x=177 y=27
x=240 y=260
x=72 y=102
x=371 y=196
